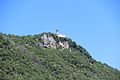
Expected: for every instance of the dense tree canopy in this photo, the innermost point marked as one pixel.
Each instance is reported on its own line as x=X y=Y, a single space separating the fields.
x=22 y=58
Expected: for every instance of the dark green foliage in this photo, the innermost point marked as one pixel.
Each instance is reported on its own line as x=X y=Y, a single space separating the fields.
x=21 y=58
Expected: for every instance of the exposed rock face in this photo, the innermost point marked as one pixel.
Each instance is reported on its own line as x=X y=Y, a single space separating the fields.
x=52 y=42
x=64 y=44
x=49 y=41
x=45 y=40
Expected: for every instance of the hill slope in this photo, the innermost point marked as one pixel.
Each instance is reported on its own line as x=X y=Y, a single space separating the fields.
x=35 y=57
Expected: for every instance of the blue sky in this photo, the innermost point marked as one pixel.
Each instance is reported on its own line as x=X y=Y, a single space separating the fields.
x=94 y=24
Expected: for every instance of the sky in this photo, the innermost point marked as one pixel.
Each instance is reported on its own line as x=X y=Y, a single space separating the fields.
x=93 y=24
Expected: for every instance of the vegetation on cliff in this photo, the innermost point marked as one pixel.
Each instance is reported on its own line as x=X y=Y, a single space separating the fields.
x=26 y=58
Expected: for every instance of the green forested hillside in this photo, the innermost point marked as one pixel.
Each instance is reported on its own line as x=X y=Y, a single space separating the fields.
x=26 y=58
